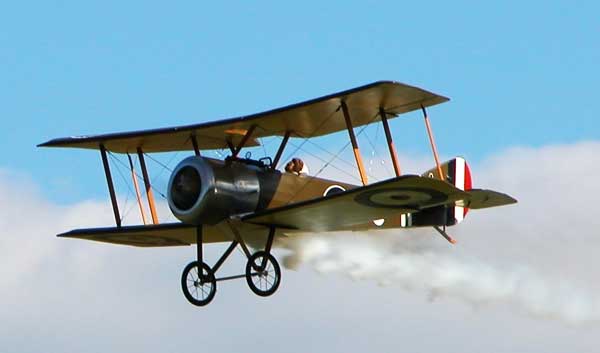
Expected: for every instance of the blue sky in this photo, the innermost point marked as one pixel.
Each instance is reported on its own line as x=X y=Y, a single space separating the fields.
x=518 y=73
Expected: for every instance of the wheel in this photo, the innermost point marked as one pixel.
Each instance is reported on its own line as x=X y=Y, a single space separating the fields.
x=198 y=283
x=263 y=281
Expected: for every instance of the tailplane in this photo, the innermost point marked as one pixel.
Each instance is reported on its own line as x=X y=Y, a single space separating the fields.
x=456 y=172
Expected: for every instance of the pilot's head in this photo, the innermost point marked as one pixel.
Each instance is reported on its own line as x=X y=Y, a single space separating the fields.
x=296 y=166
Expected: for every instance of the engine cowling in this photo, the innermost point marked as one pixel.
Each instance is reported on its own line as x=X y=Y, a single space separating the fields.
x=207 y=191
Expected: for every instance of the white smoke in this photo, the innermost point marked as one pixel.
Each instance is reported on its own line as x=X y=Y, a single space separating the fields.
x=389 y=259
x=535 y=256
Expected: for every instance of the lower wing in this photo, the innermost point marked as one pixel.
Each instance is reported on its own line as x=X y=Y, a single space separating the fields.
x=168 y=234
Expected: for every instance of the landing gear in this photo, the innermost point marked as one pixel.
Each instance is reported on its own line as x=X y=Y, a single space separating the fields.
x=263 y=274
x=198 y=283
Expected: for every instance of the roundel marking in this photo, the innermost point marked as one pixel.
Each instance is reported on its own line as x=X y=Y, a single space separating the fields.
x=333 y=189
x=379 y=222
x=399 y=197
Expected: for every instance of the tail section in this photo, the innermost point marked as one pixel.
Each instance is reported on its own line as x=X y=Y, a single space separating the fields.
x=456 y=172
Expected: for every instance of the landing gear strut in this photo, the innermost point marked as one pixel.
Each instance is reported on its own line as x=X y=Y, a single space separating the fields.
x=198 y=279
x=262 y=274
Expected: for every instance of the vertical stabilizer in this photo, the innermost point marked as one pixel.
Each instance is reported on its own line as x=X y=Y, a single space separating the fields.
x=456 y=172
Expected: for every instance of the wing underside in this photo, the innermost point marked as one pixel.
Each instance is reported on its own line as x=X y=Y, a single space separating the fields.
x=172 y=234
x=169 y=234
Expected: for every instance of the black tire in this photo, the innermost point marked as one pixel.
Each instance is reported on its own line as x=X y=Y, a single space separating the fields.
x=263 y=281
x=198 y=283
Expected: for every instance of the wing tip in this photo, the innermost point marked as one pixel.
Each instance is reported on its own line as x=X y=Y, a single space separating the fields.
x=483 y=198
x=57 y=142
x=440 y=98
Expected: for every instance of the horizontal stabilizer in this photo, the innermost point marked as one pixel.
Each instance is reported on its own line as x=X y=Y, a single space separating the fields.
x=480 y=198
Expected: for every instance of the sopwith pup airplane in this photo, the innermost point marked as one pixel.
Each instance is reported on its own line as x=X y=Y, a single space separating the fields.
x=251 y=204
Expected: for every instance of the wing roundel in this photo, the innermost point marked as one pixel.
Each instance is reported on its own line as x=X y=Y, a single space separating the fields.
x=343 y=210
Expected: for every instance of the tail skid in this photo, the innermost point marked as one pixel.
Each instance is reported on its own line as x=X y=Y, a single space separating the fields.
x=456 y=172
x=444 y=234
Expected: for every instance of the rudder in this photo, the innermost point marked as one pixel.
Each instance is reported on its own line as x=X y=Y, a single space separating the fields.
x=456 y=172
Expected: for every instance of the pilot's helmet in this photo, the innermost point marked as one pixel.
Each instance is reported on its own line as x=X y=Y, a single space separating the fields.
x=296 y=166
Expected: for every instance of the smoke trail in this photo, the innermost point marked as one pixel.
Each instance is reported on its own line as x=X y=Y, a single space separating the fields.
x=416 y=264
x=533 y=256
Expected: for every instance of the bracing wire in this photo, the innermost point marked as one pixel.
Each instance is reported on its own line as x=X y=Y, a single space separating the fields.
x=165 y=166
x=376 y=151
x=312 y=177
x=263 y=146
x=346 y=146
x=157 y=162
x=298 y=147
x=331 y=153
x=266 y=142
x=307 y=138
x=354 y=177
x=126 y=209
x=219 y=153
x=336 y=155
x=138 y=176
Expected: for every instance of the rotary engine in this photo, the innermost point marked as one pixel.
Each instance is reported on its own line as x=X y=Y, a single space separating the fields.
x=207 y=191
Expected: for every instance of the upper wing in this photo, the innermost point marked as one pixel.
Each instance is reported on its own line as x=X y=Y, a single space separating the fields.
x=396 y=196
x=312 y=118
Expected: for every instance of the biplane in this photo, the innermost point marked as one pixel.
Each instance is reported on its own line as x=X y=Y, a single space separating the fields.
x=251 y=203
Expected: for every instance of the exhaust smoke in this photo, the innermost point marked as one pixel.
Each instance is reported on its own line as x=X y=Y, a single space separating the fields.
x=417 y=264
x=540 y=257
